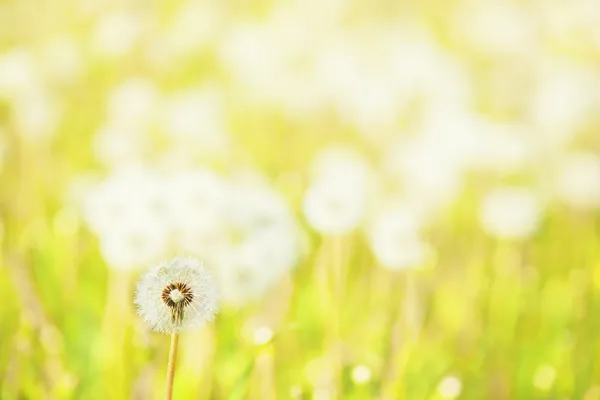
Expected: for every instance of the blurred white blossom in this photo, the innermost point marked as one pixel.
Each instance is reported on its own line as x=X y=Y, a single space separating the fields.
x=36 y=115
x=193 y=27
x=262 y=240
x=196 y=118
x=336 y=200
x=117 y=145
x=134 y=242
x=62 y=59
x=510 y=212
x=19 y=74
x=196 y=199
x=430 y=176
x=395 y=240
x=450 y=387
x=579 y=180
x=242 y=227
x=127 y=211
x=503 y=147
x=254 y=55
x=565 y=98
x=484 y=25
x=133 y=102
x=116 y=34
x=361 y=374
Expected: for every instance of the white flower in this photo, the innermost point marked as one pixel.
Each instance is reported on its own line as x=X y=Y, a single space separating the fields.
x=394 y=238
x=126 y=193
x=565 y=98
x=335 y=202
x=36 y=115
x=19 y=74
x=177 y=295
x=361 y=374
x=484 y=27
x=62 y=59
x=502 y=148
x=450 y=387
x=579 y=181
x=117 y=144
x=431 y=176
x=510 y=213
x=133 y=102
x=193 y=27
x=134 y=242
x=333 y=208
x=253 y=55
x=196 y=200
x=196 y=119
x=116 y=34
x=128 y=212
x=261 y=242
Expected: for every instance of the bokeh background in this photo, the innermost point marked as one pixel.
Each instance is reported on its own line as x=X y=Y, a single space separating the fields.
x=399 y=199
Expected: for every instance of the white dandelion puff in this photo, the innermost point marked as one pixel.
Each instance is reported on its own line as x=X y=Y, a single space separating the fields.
x=511 y=213
x=337 y=197
x=176 y=295
x=395 y=240
x=578 y=182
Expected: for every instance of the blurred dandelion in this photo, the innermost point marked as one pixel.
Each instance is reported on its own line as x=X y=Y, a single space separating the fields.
x=36 y=116
x=510 y=213
x=133 y=102
x=450 y=387
x=565 y=98
x=196 y=116
x=127 y=210
x=394 y=238
x=361 y=374
x=62 y=59
x=19 y=74
x=336 y=200
x=116 y=34
x=261 y=243
x=579 y=181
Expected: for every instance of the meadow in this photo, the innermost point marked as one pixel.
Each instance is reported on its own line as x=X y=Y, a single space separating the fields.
x=397 y=200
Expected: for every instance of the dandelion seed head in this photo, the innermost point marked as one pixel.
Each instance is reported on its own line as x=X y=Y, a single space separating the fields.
x=176 y=295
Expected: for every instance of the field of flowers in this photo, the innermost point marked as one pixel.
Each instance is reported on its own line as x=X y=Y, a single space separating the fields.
x=397 y=199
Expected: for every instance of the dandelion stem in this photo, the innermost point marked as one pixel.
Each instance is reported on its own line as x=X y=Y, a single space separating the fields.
x=171 y=366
